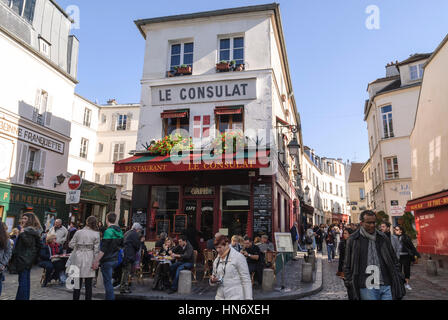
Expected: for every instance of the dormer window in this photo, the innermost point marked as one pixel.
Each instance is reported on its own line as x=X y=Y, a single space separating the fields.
x=416 y=71
x=24 y=8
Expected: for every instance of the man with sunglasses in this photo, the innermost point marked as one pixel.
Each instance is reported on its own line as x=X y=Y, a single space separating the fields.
x=371 y=268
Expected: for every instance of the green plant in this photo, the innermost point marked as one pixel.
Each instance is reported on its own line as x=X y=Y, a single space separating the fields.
x=220 y=146
x=35 y=175
x=381 y=217
x=233 y=62
x=184 y=66
x=165 y=145
x=223 y=62
x=408 y=225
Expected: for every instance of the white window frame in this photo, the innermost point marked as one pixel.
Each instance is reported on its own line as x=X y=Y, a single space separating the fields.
x=391 y=170
x=87 y=121
x=389 y=120
x=419 y=70
x=362 y=191
x=41 y=107
x=118 y=153
x=21 y=10
x=182 y=52
x=119 y=126
x=44 y=47
x=100 y=147
x=231 y=48
x=84 y=149
x=82 y=174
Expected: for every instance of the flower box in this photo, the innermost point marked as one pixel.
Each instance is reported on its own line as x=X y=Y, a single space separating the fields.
x=223 y=66
x=184 y=70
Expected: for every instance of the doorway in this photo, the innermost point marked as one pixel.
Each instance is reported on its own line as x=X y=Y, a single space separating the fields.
x=200 y=213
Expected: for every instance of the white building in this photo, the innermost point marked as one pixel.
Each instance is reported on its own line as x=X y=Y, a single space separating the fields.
x=325 y=187
x=38 y=79
x=255 y=94
x=390 y=116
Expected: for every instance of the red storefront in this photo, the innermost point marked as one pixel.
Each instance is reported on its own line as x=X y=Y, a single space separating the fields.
x=431 y=220
x=206 y=196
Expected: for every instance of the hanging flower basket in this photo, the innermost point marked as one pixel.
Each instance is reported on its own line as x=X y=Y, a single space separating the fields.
x=238 y=142
x=163 y=147
x=183 y=69
x=223 y=66
x=33 y=175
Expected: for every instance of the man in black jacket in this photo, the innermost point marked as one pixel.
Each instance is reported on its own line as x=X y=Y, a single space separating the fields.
x=385 y=228
x=369 y=256
x=132 y=245
x=185 y=260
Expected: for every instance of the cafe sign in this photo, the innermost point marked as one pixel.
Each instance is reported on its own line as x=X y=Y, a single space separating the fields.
x=31 y=136
x=429 y=204
x=245 y=89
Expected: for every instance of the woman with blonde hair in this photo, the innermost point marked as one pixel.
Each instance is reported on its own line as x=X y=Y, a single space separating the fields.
x=26 y=252
x=86 y=246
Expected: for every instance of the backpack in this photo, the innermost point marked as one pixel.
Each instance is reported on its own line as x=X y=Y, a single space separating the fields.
x=308 y=240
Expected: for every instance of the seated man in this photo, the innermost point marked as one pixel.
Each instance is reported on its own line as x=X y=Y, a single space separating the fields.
x=53 y=266
x=184 y=260
x=255 y=259
x=265 y=245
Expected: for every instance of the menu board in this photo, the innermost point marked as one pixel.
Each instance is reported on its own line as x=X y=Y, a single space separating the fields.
x=139 y=216
x=162 y=226
x=262 y=209
x=180 y=223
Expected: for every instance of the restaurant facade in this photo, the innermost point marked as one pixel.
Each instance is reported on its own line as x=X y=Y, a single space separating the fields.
x=248 y=188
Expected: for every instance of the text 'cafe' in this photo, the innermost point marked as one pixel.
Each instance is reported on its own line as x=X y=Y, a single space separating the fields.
x=206 y=198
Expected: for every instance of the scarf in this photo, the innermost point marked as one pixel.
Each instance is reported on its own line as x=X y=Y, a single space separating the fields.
x=372 y=253
x=54 y=248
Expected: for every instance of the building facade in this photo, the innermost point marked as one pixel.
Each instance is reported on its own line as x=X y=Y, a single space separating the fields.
x=325 y=188
x=429 y=147
x=38 y=79
x=356 y=191
x=216 y=75
x=390 y=114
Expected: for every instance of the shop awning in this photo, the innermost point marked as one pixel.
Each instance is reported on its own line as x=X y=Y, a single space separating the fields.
x=174 y=114
x=228 y=110
x=427 y=202
x=307 y=209
x=193 y=162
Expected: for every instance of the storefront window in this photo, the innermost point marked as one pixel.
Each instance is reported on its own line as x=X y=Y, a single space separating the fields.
x=166 y=199
x=235 y=207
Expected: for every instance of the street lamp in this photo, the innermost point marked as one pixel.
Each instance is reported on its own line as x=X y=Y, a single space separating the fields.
x=294 y=147
x=60 y=178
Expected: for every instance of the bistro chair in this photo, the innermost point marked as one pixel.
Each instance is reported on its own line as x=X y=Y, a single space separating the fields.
x=154 y=263
x=139 y=271
x=209 y=258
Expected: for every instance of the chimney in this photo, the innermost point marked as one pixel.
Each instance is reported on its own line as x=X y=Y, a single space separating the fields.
x=112 y=102
x=392 y=69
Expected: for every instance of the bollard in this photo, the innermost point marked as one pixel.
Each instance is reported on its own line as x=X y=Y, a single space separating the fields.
x=184 y=282
x=307 y=272
x=312 y=261
x=268 y=280
x=431 y=267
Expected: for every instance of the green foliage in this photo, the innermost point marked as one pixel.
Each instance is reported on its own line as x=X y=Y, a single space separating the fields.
x=408 y=225
x=381 y=217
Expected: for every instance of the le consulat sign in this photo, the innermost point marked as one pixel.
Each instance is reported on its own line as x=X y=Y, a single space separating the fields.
x=245 y=89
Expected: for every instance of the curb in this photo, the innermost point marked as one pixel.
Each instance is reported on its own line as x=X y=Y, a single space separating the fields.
x=315 y=287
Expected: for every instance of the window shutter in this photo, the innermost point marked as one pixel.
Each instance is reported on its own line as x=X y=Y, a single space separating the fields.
x=49 y=111
x=36 y=164
x=43 y=159
x=36 y=105
x=22 y=163
x=113 y=126
x=129 y=121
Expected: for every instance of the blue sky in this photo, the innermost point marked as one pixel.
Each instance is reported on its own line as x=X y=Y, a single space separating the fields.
x=332 y=55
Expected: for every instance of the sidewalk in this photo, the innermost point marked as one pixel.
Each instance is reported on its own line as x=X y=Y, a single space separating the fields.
x=201 y=290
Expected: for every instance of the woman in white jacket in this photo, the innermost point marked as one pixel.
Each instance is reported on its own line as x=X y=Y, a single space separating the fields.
x=85 y=244
x=230 y=273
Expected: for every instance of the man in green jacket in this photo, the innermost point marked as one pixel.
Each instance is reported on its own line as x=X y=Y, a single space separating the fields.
x=108 y=257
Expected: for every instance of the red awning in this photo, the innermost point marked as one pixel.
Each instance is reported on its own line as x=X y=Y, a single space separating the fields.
x=174 y=114
x=226 y=111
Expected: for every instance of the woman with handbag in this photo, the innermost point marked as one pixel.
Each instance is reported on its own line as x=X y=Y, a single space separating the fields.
x=405 y=251
x=85 y=244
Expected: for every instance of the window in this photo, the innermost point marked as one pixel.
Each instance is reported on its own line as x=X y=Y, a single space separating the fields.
x=24 y=8
x=44 y=47
x=362 y=194
x=32 y=159
x=97 y=178
x=103 y=118
x=387 y=122
x=342 y=193
x=100 y=147
x=375 y=178
x=84 y=148
x=122 y=122
x=118 y=152
x=416 y=71
x=167 y=199
x=336 y=187
x=181 y=53
x=123 y=180
x=111 y=179
x=331 y=187
x=379 y=174
x=87 y=117
x=372 y=146
x=235 y=203
x=391 y=167
x=82 y=174
x=40 y=107
x=175 y=120
x=232 y=49
x=229 y=118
